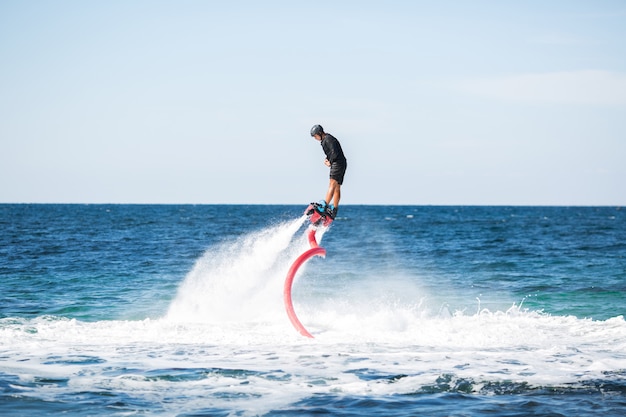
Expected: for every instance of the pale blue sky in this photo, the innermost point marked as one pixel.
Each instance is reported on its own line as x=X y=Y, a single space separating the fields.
x=434 y=102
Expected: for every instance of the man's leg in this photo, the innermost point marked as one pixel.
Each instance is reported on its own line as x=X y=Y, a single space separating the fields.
x=334 y=193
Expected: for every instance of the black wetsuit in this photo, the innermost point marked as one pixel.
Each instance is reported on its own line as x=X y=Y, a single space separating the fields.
x=335 y=156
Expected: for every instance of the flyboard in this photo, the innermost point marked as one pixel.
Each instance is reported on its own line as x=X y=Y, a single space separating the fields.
x=319 y=216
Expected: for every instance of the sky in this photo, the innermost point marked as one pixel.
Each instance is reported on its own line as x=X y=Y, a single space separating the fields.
x=211 y=102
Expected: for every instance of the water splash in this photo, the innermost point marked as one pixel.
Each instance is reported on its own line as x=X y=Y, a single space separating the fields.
x=240 y=280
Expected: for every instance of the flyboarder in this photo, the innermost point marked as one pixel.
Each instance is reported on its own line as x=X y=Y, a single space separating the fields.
x=337 y=163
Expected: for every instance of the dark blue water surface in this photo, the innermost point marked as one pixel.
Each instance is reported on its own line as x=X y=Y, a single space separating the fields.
x=85 y=292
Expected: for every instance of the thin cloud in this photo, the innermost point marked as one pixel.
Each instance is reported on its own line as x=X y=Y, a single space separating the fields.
x=590 y=87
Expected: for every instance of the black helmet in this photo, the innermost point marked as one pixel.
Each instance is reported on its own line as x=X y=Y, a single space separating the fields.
x=317 y=130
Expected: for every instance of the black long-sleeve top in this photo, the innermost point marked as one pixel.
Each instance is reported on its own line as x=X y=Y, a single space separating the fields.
x=332 y=149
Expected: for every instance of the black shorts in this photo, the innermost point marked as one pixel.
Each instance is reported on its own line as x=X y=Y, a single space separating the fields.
x=338 y=170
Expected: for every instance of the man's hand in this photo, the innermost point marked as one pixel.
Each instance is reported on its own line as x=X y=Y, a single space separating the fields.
x=326 y=162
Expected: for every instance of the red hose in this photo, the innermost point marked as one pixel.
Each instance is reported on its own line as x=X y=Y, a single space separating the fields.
x=315 y=250
x=312 y=240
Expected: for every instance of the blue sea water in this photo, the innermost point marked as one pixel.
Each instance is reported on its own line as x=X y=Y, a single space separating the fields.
x=416 y=310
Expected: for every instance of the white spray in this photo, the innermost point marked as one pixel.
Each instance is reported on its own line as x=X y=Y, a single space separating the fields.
x=240 y=281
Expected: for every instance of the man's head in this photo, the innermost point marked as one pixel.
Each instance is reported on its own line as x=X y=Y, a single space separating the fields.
x=317 y=132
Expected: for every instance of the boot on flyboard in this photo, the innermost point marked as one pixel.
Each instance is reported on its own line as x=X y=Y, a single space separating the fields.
x=320 y=213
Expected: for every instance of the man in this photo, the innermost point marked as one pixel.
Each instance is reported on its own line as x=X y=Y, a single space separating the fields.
x=336 y=160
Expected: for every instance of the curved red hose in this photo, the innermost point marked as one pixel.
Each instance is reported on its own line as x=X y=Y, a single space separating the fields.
x=312 y=240
x=315 y=250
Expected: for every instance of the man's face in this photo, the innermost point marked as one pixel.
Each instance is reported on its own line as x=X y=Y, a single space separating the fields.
x=318 y=137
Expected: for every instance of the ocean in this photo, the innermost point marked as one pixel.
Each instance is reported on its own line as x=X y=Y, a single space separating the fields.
x=178 y=310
